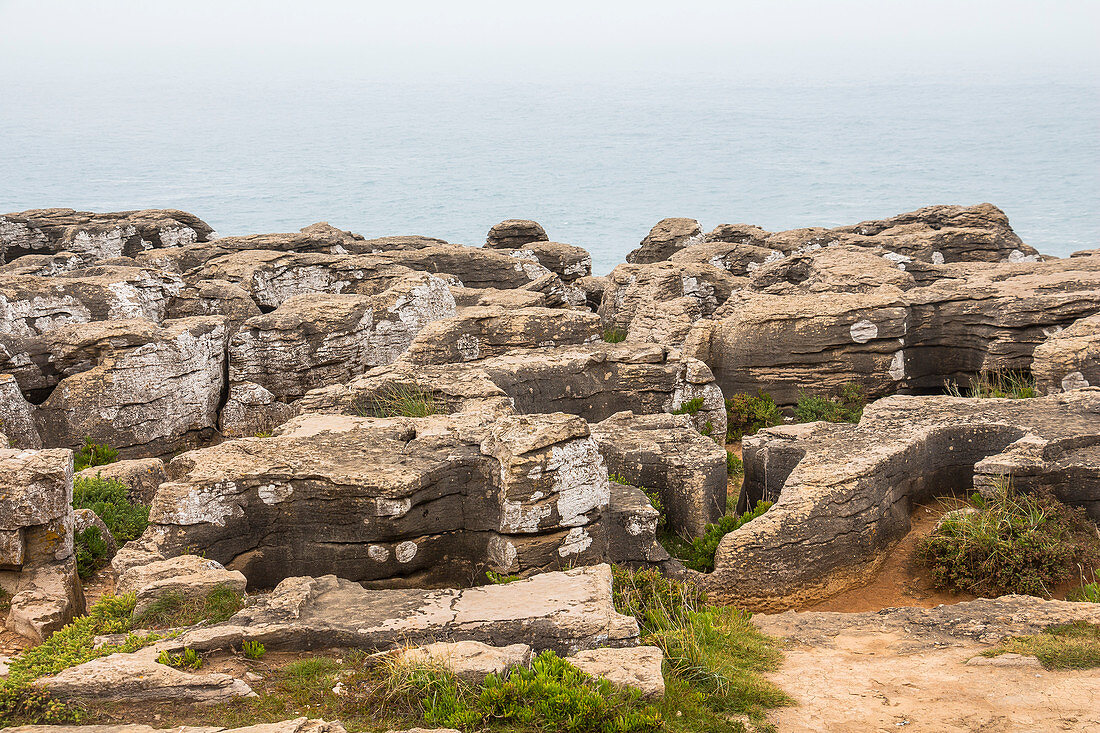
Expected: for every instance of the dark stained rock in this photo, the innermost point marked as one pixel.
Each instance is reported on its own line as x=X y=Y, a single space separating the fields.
x=515 y=233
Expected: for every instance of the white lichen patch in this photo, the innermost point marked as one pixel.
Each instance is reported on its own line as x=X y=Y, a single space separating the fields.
x=863 y=331
x=1074 y=380
x=580 y=480
x=378 y=553
x=937 y=258
x=518 y=517
x=468 y=346
x=502 y=553
x=274 y=493
x=575 y=542
x=405 y=551
x=896 y=370
x=392 y=507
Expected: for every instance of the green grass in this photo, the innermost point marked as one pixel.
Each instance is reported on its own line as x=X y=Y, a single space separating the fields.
x=93 y=454
x=1012 y=543
x=500 y=578
x=1089 y=592
x=746 y=414
x=614 y=335
x=1067 y=646
x=187 y=659
x=698 y=553
x=92 y=552
x=844 y=406
x=175 y=609
x=714 y=656
x=401 y=400
x=1010 y=384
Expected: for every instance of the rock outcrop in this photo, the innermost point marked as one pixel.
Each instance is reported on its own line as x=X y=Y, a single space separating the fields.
x=1070 y=358
x=665 y=238
x=515 y=233
x=188 y=576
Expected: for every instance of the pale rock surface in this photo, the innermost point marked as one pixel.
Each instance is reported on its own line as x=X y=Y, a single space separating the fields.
x=188 y=575
x=666 y=237
x=472 y=661
x=636 y=667
x=1070 y=358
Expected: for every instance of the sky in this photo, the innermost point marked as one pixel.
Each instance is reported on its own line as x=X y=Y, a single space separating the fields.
x=815 y=41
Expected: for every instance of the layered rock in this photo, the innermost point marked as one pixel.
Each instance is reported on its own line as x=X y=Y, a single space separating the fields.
x=425 y=500
x=843 y=493
x=92 y=236
x=515 y=233
x=665 y=238
x=188 y=576
x=37 y=563
x=1070 y=358
x=136 y=385
x=313 y=340
x=17 y=416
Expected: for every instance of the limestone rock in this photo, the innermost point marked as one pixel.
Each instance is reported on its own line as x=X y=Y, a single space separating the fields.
x=141 y=475
x=632 y=530
x=143 y=387
x=489 y=297
x=514 y=233
x=314 y=340
x=138 y=677
x=666 y=237
x=903 y=450
x=251 y=410
x=188 y=575
x=214 y=298
x=736 y=258
x=563 y=611
x=94 y=236
x=564 y=260
x=85 y=518
x=636 y=668
x=737 y=234
x=16 y=416
x=478 y=333
x=665 y=453
x=472 y=661
x=1070 y=358
x=48 y=595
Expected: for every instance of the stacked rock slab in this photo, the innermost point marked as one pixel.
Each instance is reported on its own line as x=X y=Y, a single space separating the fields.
x=664 y=239
x=37 y=565
x=428 y=500
x=92 y=236
x=1070 y=358
x=843 y=493
x=515 y=233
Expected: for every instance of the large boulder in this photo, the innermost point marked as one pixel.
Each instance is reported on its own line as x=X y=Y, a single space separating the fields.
x=515 y=233
x=843 y=492
x=137 y=386
x=1069 y=358
x=313 y=340
x=93 y=236
x=665 y=238
x=188 y=576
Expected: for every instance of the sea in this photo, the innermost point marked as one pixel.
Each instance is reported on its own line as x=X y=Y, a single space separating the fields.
x=597 y=163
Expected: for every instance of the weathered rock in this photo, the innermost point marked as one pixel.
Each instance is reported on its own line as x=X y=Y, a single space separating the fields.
x=843 y=493
x=43 y=265
x=1070 y=358
x=138 y=387
x=401 y=500
x=475 y=267
x=840 y=269
x=514 y=233
x=563 y=611
x=666 y=454
x=298 y=725
x=593 y=289
x=251 y=410
x=214 y=298
x=478 y=333
x=564 y=260
x=737 y=234
x=141 y=476
x=16 y=415
x=666 y=237
x=84 y=519
x=139 y=677
x=736 y=258
x=472 y=661
x=660 y=302
x=512 y=298
x=636 y=668
x=93 y=236
x=314 y=340
x=188 y=575
x=632 y=529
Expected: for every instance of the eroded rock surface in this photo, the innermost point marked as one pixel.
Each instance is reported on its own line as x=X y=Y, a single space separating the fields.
x=1070 y=358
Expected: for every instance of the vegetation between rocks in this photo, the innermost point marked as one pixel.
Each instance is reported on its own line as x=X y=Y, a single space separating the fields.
x=93 y=454
x=109 y=500
x=746 y=414
x=402 y=400
x=1009 y=384
x=844 y=406
x=1010 y=543
x=175 y=609
x=1066 y=646
x=698 y=553
x=1088 y=592
x=614 y=335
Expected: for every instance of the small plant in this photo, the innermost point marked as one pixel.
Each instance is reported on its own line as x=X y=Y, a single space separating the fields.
x=174 y=609
x=252 y=649
x=1089 y=592
x=1006 y=384
x=746 y=414
x=110 y=501
x=91 y=552
x=93 y=454
x=1011 y=543
x=845 y=406
x=187 y=659
x=698 y=554
x=500 y=578
x=1066 y=646
x=614 y=335
x=691 y=407
x=734 y=465
x=402 y=400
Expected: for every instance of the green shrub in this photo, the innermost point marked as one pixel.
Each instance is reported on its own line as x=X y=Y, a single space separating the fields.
x=93 y=454
x=500 y=578
x=1006 y=384
x=187 y=659
x=746 y=414
x=691 y=407
x=252 y=649
x=1066 y=646
x=1010 y=543
x=175 y=609
x=734 y=465
x=698 y=554
x=401 y=400
x=91 y=552
x=614 y=335
x=845 y=406
x=110 y=501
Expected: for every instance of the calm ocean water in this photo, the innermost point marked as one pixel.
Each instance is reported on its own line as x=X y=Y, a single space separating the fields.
x=596 y=164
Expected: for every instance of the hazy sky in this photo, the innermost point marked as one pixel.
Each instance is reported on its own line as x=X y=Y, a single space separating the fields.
x=844 y=40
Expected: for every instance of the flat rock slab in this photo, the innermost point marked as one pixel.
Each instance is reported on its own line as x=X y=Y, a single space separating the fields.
x=473 y=661
x=563 y=611
x=298 y=725
x=636 y=668
x=1005 y=660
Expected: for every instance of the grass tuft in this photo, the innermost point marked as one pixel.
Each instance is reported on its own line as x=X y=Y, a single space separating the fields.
x=844 y=406
x=402 y=400
x=614 y=335
x=1005 y=384
x=175 y=609
x=1066 y=646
